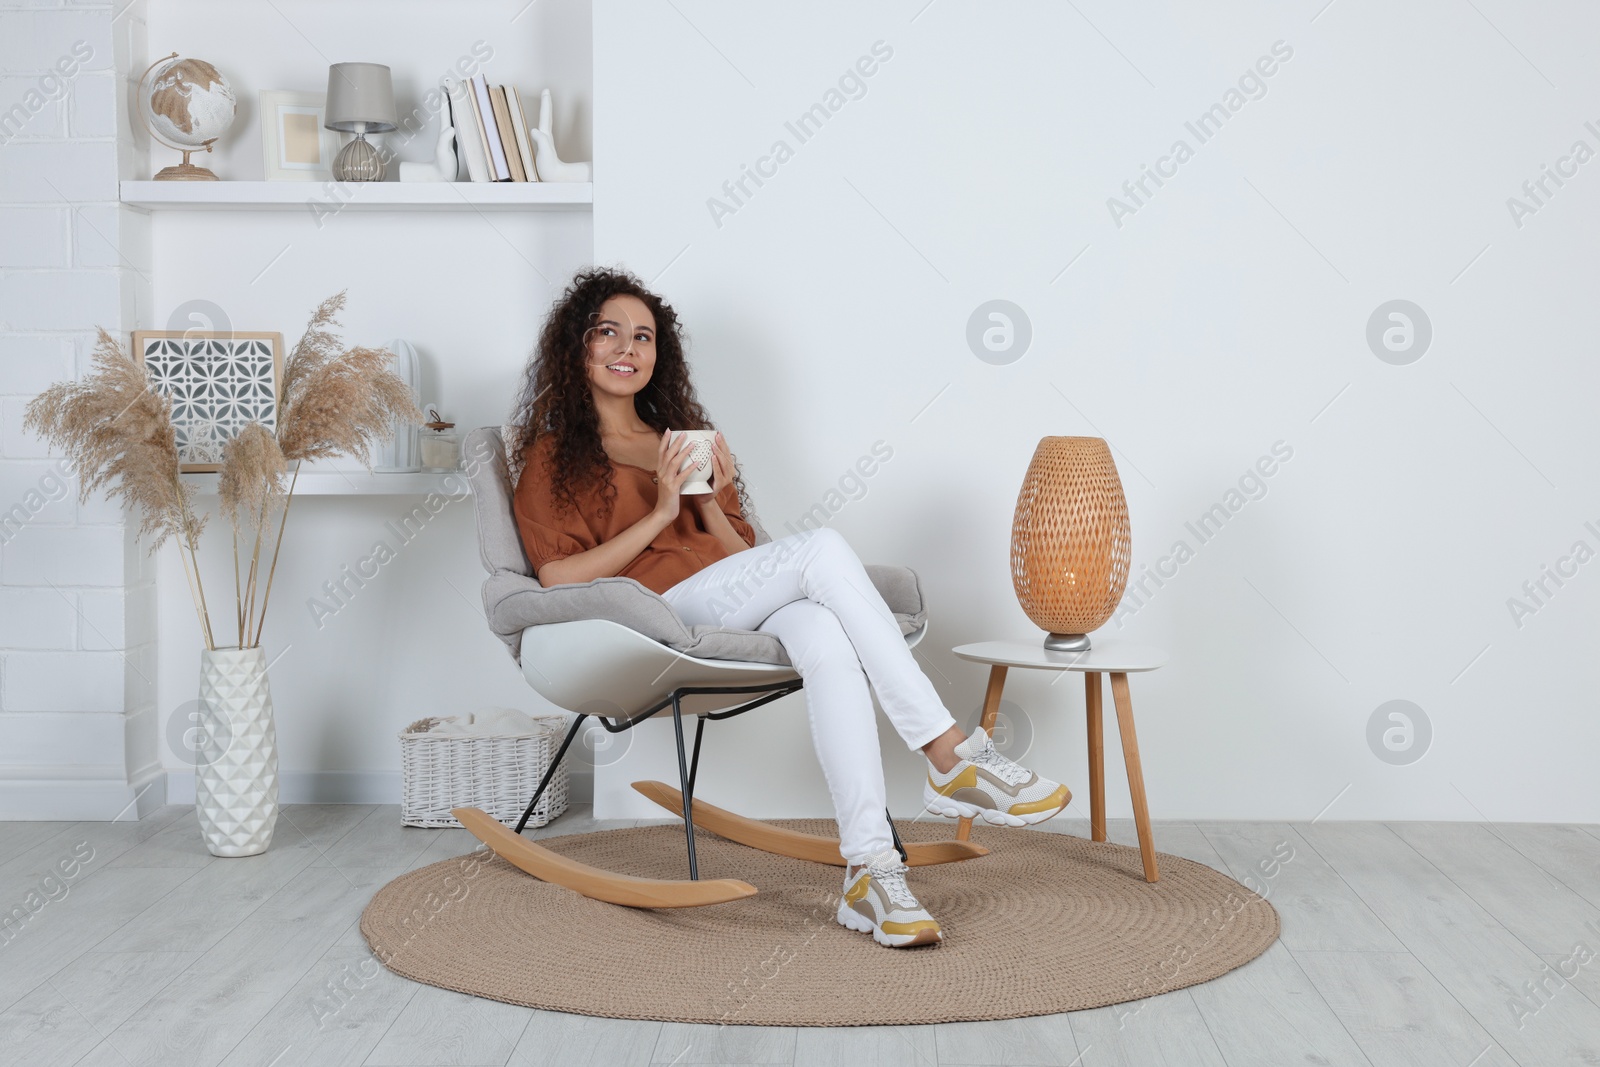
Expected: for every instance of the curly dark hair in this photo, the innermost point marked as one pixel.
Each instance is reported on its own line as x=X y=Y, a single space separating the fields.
x=555 y=397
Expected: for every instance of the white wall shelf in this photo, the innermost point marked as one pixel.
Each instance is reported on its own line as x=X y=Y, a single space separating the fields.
x=355 y=483
x=359 y=196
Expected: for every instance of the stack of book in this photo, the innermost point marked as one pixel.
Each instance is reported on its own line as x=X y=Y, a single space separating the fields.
x=491 y=131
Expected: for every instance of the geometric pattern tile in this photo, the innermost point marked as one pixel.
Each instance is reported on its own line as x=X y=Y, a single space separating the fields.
x=217 y=385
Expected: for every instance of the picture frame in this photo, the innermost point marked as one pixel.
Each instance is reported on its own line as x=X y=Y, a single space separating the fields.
x=295 y=145
x=218 y=382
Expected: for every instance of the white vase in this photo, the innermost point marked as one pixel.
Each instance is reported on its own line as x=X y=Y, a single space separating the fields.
x=399 y=453
x=236 y=781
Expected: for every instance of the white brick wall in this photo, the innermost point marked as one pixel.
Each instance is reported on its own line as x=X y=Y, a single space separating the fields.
x=33 y=172
x=77 y=556
x=35 y=39
x=47 y=120
x=64 y=681
x=35 y=236
x=29 y=364
x=36 y=618
x=59 y=300
x=36 y=740
x=77 y=611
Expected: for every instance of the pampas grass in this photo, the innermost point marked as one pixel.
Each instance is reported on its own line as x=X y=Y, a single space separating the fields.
x=337 y=403
x=117 y=432
x=249 y=483
x=334 y=402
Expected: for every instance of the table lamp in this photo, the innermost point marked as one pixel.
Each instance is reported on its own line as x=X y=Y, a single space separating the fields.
x=360 y=101
x=1070 y=540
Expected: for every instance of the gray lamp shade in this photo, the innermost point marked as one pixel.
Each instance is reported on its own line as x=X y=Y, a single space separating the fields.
x=360 y=98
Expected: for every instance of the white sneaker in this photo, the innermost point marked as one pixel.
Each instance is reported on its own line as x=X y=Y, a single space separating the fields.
x=877 y=901
x=985 y=785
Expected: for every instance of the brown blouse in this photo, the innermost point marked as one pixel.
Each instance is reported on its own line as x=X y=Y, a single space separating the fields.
x=677 y=552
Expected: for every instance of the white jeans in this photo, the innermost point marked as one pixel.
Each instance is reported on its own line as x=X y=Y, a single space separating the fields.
x=813 y=594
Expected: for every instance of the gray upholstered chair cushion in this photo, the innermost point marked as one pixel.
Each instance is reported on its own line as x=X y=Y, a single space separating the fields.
x=513 y=599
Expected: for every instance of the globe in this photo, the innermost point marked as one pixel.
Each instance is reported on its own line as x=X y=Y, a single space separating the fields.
x=186 y=104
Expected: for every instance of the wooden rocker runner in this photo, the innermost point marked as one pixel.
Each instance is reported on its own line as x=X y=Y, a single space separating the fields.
x=614 y=650
x=635 y=892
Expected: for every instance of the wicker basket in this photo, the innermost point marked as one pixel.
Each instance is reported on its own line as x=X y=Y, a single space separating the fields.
x=495 y=772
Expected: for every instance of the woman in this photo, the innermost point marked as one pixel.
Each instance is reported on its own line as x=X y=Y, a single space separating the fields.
x=598 y=494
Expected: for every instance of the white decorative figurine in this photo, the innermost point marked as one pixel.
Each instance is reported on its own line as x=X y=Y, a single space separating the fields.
x=549 y=165
x=441 y=168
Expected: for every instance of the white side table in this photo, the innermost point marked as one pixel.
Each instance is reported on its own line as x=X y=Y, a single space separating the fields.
x=1109 y=656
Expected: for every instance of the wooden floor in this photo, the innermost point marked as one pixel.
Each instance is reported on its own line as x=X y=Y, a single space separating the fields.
x=1462 y=945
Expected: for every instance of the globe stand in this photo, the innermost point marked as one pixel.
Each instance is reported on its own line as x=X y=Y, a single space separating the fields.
x=186 y=171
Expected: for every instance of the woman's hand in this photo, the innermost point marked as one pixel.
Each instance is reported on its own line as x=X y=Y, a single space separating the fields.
x=712 y=516
x=670 y=457
x=721 y=471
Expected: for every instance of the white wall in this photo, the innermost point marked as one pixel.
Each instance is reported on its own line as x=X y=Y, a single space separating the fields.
x=1228 y=312
x=468 y=290
x=78 y=711
x=830 y=311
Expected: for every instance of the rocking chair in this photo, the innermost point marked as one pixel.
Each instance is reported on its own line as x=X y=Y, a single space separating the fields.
x=614 y=650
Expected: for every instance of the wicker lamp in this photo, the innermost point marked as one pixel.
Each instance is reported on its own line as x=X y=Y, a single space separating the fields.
x=1070 y=540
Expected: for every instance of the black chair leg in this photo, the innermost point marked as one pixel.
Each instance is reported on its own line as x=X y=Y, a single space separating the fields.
x=694 y=763
x=684 y=785
x=551 y=773
x=897 y=845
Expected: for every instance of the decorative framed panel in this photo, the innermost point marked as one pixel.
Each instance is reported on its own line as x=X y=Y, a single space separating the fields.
x=218 y=382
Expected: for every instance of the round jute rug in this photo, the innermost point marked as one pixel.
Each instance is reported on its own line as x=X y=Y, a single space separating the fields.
x=1046 y=922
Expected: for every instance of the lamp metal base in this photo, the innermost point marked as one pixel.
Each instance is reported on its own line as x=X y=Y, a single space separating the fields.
x=1067 y=642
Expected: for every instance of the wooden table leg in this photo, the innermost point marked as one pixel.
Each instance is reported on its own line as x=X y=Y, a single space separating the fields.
x=1130 y=756
x=1097 y=757
x=991 y=705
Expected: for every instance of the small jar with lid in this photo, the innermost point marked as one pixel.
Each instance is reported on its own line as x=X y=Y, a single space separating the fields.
x=441 y=444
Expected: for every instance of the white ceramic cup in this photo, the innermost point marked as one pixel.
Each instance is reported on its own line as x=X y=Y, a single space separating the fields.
x=699 y=454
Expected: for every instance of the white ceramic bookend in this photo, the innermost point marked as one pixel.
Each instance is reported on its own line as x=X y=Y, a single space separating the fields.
x=549 y=165
x=441 y=168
